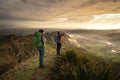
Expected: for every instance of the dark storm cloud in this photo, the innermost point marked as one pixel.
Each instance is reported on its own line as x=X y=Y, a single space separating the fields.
x=46 y=1
x=46 y=9
x=10 y=17
x=29 y=9
x=2 y=26
x=23 y=1
x=39 y=10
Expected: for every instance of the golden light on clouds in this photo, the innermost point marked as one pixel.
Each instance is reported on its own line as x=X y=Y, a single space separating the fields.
x=60 y=19
x=67 y=14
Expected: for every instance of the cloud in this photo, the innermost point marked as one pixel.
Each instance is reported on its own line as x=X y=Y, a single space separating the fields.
x=52 y=12
x=106 y=18
x=35 y=9
x=4 y=26
x=29 y=9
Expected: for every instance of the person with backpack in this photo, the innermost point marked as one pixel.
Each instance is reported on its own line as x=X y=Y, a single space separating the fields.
x=58 y=40
x=39 y=44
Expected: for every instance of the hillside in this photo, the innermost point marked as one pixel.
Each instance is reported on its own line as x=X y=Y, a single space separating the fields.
x=19 y=58
x=102 y=43
x=16 y=49
x=79 y=65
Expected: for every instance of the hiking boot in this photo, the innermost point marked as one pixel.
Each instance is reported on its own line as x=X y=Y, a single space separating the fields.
x=41 y=66
x=58 y=53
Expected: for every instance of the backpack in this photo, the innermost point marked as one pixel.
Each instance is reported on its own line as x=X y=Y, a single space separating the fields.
x=56 y=38
x=37 y=39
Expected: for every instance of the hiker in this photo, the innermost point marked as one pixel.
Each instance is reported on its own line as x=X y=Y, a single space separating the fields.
x=39 y=44
x=58 y=40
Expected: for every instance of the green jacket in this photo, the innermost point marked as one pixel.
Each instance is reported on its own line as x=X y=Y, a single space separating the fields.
x=38 y=40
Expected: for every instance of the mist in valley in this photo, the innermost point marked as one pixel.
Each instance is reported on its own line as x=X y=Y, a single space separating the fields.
x=101 y=43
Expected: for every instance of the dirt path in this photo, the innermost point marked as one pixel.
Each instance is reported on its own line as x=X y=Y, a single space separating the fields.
x=44 y=73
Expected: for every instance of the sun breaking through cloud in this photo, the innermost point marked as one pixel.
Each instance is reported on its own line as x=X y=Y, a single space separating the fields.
x=59 y=13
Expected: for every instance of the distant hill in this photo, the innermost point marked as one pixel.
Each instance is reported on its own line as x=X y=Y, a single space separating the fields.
x=75 y=31
x=24 y=31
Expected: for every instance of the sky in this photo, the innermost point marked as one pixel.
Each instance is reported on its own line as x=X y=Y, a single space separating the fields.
x=65 y=14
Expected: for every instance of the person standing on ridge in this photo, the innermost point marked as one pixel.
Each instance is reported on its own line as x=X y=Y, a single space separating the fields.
x=39 y=44
x=58 y=40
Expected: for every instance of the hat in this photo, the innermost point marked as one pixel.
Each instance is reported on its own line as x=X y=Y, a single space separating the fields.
x=41 y=30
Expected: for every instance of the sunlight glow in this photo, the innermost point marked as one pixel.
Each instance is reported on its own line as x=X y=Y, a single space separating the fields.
x=103 y=26
x=60 y=19
x=74 y=42
x=106 y=16
x=99 y=22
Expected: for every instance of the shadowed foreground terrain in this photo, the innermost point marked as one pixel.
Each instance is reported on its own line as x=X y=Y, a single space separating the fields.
x=91 y=57
x=16 y=49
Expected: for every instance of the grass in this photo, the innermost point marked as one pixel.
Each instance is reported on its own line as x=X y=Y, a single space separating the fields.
x=23 y=71
x=26 y=69
x=79 y=66
x=14 y=50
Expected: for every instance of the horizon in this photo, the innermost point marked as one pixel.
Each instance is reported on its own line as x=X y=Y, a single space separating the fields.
x=28 y=31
